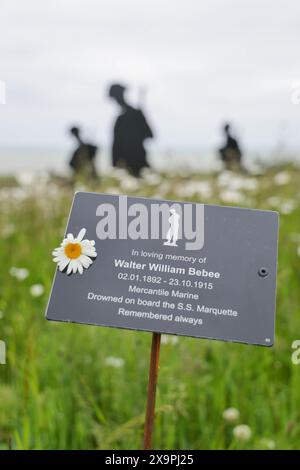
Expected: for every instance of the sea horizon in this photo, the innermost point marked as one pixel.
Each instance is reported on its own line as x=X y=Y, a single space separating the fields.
x=55 y=159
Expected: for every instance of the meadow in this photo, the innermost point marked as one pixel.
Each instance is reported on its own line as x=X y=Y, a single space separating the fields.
x=82 y=387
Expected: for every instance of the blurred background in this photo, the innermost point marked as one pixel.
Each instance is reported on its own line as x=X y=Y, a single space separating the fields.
x=189 y=65
x=195 y=101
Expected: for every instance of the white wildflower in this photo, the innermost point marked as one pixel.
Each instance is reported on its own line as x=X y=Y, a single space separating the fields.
x=129 y=184
x=169 y=339
x=192 y=188
x=231 y=415
x=113 y=190
x=8 y=230
x=36 y=290
x=274 y=201
x=25 y=178
x=120 y=173
x=75 y=253
x=250 y=184
x=116 y=362
x=80 y=187
x=287 y=207
x=236 y=182
x=150 y=177
x=282 y=178
x=232 y=196
x=19 y=273
x=224 y=178
x=268 y=444
x=242 y=432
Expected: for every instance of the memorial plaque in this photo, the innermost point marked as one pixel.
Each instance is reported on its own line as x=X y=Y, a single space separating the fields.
x=170 y=267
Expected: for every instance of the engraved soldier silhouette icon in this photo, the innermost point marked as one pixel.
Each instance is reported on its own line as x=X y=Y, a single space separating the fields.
x=172 y=234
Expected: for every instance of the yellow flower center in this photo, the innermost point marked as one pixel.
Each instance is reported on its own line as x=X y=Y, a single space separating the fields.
x=73 y=250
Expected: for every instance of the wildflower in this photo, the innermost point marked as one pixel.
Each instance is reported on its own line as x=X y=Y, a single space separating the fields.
x=287 y=207
x=129 y=184
x=203 y=188
x=36 y=290
x=113 y=190
x=242 y=432
x=19 y=273
x=231 y=415
x=282 y=178
x=169 y=339
x=150 y=177
x=274 y=201
x=26 y=178
x=115 y=362
x=8 y=230
x=268 y=444
x=231 y=196
x=75 y=253
x=119 y=173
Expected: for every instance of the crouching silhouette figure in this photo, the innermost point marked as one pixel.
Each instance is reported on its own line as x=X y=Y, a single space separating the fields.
x=231 y=154
x=83 y=160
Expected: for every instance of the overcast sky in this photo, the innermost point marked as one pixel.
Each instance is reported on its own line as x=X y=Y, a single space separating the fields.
x=200 y=61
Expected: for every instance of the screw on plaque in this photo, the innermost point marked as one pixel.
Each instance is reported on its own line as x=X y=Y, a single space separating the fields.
x=263 y=272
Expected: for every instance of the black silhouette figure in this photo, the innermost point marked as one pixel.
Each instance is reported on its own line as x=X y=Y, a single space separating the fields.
x=130 y=131
x=231 y=153
x=83 y=158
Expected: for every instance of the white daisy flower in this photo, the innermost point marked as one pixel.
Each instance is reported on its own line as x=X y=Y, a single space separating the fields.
x=74 y=254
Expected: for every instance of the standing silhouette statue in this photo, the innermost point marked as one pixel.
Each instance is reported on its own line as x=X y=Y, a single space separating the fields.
x=130 y=131
x=231 y=153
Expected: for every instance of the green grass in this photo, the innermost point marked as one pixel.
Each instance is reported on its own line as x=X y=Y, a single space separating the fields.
x=57 y=390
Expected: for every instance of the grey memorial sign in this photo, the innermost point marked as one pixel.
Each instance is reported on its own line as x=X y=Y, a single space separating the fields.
x=169 y=267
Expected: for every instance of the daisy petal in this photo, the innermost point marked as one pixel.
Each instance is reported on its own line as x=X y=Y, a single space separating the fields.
x=75 y=266
x=89 y=251
x=81 y=234
x=57 y=251
x=70 y=267
x=80 y=268
x=85 y=260
x=60 y=257
x=62 y=265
